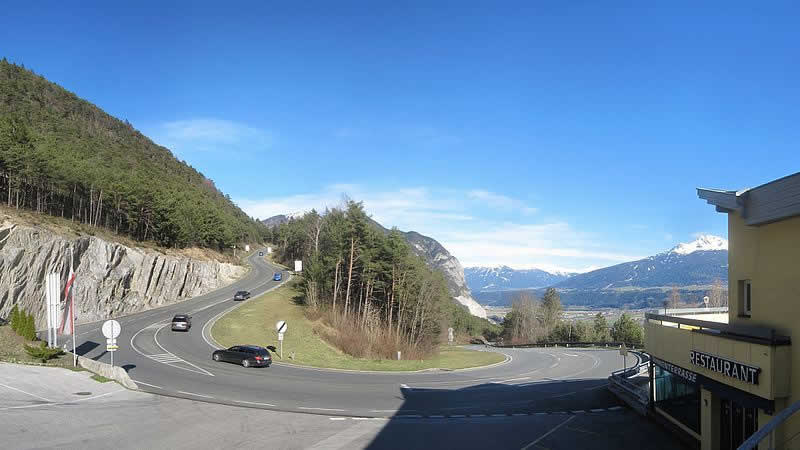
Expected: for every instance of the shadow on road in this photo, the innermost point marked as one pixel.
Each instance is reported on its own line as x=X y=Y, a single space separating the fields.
x=496 y=415
x=128 y=367
x=86 y=347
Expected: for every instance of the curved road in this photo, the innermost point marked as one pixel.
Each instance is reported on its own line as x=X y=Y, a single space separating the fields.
x=531 y=381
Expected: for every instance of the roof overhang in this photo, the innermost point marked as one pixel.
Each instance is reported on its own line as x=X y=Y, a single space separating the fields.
x=770 y=202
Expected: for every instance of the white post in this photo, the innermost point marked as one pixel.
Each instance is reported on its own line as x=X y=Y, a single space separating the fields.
x=281 y=349
x=72 y=316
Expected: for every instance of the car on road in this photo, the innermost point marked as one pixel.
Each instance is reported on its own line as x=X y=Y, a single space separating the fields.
x=241 y=295
x=181 y=322
x=276 y=276
x=246 y=355
x=260 y=253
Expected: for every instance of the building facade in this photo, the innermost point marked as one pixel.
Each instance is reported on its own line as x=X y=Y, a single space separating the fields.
x=721 y=380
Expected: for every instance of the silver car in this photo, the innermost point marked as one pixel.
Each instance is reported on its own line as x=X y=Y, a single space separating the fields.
x=181 y=322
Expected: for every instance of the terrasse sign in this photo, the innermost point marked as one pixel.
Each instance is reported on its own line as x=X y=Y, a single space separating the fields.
x=726 y=367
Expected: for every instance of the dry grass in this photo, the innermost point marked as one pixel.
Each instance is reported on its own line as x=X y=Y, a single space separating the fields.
x=12 y=349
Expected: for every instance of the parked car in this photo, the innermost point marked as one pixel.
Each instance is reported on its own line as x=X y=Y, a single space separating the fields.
x=246 y=355
x=276 y=276
x=181 y=322
x=241 y=295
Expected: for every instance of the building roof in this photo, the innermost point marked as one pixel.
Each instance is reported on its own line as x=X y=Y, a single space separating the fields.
x=770 y=202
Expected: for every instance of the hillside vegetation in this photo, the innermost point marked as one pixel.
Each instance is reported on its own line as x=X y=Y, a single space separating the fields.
x=371 y=286
x=63 y=156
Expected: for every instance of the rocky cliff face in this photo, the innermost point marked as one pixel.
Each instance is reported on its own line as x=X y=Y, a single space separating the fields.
x=439 y=258
x=111 y=279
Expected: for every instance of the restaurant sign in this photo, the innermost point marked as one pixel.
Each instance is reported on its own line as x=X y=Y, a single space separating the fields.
x=726 y=367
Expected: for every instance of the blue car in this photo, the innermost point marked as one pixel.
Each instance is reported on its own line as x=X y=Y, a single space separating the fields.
x=277 y=276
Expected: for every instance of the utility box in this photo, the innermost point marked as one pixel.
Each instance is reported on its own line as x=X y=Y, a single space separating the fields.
x=298 y=266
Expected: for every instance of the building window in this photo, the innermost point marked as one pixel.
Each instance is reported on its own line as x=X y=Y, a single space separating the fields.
x=677 y=397
x=745 y=298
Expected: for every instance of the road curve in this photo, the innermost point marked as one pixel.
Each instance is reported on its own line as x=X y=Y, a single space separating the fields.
x=178 y=364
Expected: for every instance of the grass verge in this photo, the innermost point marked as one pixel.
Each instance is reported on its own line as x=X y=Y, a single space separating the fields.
x=254 y=323
x=101 y=379
x=12 y=349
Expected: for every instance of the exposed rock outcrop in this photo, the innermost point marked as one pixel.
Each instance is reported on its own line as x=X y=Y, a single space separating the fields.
x=111 y=279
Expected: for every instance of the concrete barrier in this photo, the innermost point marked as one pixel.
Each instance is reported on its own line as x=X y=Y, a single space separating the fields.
x=116 y=373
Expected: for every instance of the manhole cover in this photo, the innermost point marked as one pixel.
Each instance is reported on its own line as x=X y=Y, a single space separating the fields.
x=83 y=393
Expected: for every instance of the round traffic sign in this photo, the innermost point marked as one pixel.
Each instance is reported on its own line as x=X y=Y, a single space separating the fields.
x=281 y=326
x=111 y=329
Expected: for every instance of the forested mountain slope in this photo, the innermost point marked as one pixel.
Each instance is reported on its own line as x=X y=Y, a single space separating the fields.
x=63 y=156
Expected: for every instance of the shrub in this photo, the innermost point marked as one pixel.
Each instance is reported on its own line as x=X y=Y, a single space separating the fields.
x=27 y=327
x=15 y=319
x=43 y=352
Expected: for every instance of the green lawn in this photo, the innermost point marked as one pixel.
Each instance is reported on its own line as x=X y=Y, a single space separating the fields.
x=254 y=323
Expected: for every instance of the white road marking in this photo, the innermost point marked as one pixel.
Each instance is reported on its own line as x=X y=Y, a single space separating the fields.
x=25 y=392
x=598 y=410
x=254 y=403
x=580 y=411
x=477 y=415
x=321 y=409
x=96 y=396
x=541 y=414
x=515 y=379
x=498 y=415
x=519 y=414
x=436 y=417
x=548 y=433
x=147 y=384
x=458 y=415
x=562 y=395
x=409 y=416
x=338 y=418
x=203 y=371
x=614 y=408
x=196 y=395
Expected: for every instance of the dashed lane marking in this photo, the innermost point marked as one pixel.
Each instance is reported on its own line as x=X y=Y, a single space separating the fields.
x=196 y=395
x=254 y=403
x=548 y=433
x=147 y=384
x=24 y=392
x=321 y=409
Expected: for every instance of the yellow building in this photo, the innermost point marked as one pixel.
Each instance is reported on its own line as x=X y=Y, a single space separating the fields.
x=720 y=381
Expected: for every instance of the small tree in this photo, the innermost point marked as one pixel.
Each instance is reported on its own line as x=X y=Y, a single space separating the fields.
x=674 y=298
x=27 y=327
x=626 y=330
x=15 y=319
x=551 y=309
x=600 y=328
x=717 y=296
x=43 y=352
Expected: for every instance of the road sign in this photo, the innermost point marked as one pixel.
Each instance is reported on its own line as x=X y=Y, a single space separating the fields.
x=111 y=329
x=298 y=266
x=281 y=327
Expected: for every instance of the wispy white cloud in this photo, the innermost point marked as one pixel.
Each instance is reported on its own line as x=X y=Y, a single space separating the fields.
x=494 y=200
x=449 y=216
x=209 y=135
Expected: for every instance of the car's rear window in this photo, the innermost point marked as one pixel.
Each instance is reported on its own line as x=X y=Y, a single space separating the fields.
x=179 y=319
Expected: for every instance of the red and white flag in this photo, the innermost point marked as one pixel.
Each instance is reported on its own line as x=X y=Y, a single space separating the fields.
x=69 y=306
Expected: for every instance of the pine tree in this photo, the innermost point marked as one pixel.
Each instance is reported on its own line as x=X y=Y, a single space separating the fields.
x=15 y=319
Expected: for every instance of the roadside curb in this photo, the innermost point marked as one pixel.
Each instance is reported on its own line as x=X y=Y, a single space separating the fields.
x=115 y=373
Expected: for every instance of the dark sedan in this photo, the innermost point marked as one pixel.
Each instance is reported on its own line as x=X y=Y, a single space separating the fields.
x=241 y=295
x=246 y=355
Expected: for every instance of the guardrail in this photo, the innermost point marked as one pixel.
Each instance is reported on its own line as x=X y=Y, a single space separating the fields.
x=768 y=430
x=636 y=396
x=563 y=344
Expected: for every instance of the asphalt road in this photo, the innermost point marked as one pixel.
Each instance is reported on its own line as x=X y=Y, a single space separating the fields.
x=530 y=382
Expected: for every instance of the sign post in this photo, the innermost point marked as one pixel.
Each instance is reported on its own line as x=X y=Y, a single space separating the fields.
x=623 y=350
x=281 y=327
x=111 y=330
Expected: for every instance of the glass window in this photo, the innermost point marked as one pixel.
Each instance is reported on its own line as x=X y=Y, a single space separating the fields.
x=678 y=398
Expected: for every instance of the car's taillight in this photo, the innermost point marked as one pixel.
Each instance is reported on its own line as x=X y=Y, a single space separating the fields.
x=258 y=358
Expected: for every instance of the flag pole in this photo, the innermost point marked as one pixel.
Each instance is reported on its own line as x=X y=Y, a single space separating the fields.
x=72 y=311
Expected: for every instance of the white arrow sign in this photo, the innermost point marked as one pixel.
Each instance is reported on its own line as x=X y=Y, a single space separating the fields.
x=281 y=326
x=111 y=329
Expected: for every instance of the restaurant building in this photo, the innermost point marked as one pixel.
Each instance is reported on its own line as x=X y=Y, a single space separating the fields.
x=720 y=380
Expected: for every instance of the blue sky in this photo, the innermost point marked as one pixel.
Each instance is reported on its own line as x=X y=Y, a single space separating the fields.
x=535 y=134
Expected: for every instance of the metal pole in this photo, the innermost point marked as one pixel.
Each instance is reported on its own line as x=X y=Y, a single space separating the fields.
x=112 y=357
x=72 y=314
x=281 y=348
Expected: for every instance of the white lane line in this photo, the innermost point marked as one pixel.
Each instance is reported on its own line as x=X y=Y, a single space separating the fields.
x=25 y=392
x=598 y=410
x=196 y=395
x=548 y=433
x=338 y=418
x=321 y=409
x=147 y=384
x=254 y=403
x=541 y=414
x=436 y=417
x=579 y=411
x=96 y=396
x=477 y=415
x=155 y=338
x=457 y=416
x=570 y=354
x=498 y=415
x=562 y=395
x=519 y=414
x=515 y=379
x=409 y=416
x=614 y=408
x=87 y=332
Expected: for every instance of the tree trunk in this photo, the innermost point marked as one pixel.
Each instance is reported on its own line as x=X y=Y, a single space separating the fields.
x=349 y=275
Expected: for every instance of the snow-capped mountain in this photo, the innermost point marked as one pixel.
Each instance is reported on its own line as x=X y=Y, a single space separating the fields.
x=499 y=278
x=704 y=243
x=689 y=264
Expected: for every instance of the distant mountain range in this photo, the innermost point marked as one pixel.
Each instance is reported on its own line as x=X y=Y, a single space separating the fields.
x=432 y=252
x=500 y=278
x=692 y=267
